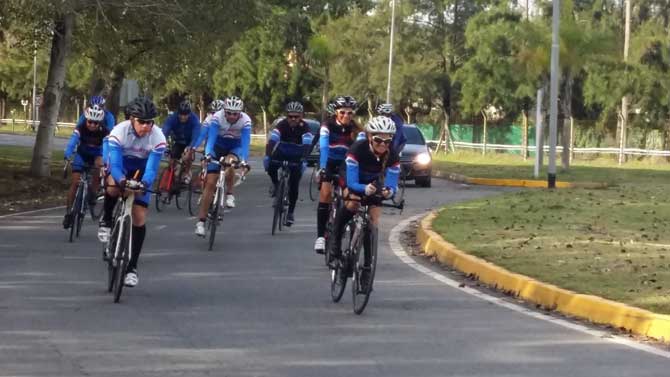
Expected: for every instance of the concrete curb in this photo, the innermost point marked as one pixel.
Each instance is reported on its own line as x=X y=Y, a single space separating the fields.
x=592 y=308
x=530 y=183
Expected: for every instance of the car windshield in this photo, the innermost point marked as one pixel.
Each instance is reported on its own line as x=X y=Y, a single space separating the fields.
x=413 y=135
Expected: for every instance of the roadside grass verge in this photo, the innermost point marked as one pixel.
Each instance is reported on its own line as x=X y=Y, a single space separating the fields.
x=614 y=243
x=502 y=165
x=19 y=191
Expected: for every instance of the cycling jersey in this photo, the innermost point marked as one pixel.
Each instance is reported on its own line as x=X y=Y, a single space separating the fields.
x=399 y=139
x=128 y=153
x=364 y=167
x=232 y=137
x=89 y=142
x=204 y=130
x=289 y=143
x=335 y=140
x=109 y=120
x=183 y=133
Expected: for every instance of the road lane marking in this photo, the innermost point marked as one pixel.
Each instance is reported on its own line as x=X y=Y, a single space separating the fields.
x=399 y=251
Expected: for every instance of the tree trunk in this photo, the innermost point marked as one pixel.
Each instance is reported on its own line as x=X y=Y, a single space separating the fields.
x=53 y=92
x=113 y=104
x=566 y=104
x=524 y=140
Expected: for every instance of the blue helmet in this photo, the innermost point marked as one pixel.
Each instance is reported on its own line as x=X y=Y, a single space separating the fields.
x=97 y=100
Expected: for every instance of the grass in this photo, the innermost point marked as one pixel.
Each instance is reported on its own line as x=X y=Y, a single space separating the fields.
x=502 y=165
x=613 y=243
x=20 y=191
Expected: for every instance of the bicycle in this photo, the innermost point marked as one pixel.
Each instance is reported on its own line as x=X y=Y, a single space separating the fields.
x=195 y=189
x=166 y=188
x=213 y=217
x=281 y=201
x=313 y=185
x=336 y=204
x=118 y=249
x=352 y=262
x=80 y=205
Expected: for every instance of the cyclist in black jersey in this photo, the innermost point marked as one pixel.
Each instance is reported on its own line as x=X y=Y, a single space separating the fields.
x=372 y=174
x=335 y=137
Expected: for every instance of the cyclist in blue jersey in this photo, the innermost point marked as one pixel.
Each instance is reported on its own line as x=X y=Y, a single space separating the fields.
x=399 y=139
x=228 y=140
x=214 y=107
x=337 y=133
x=86 y=146
x=135 y=150
x=290 y=141
x=184 y=127
x=372 y=171
x=109 y=121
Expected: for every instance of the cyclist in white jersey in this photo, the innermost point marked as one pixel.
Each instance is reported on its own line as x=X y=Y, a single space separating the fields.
x=228 y=140
x=214 y=107
x=135 y=150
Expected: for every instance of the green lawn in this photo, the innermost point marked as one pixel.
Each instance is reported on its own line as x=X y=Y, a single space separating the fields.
x=614 y=243
x=502 y=165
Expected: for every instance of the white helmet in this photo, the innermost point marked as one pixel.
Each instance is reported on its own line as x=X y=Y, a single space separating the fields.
x=380 y=125
x=216 y=105
x=233 y=104
x=385 y=109
x=295 y=107
x=94 y=113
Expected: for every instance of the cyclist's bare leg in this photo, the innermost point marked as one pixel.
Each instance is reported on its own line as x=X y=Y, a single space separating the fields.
x=230 y=174
x=73 y=189
x=139 y=215
x=208 y=194
x=325 y=193
x=95 y=172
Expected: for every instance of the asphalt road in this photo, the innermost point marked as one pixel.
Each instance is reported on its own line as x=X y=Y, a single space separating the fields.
x=59 y=143
x=260 y=306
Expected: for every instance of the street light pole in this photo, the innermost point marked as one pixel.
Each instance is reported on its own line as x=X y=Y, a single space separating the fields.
x=553 y=99
x=388 y=85
x=34 y=78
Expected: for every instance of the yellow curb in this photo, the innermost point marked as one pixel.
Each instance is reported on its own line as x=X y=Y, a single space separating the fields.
x=593 y=308
x=530 y=183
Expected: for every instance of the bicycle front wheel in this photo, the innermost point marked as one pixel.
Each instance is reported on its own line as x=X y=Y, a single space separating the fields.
x=74 y=212
x=339 y=275
x=194 y=195
x=122 y=258
x=213 y=216
x=313 y=186
x=278 y=205
x=112 y=267
x=163 y=192
x=361 y=286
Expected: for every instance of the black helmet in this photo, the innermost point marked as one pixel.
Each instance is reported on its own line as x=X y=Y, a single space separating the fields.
x=142 y=108
x=184 y=108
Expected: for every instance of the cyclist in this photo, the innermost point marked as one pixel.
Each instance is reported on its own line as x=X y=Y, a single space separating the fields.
x=184 y=126
x=290 y=141
x=88 y=141
x=337 y=133
x=228 y=140
x=399 y=139
x=214 y=107
x=135 y=148
x=109 y=120
x=372 y=173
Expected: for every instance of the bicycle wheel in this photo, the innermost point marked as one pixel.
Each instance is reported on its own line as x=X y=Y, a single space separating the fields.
x=96 y=210
x=213 y=216
x=194 y=195
x=360 y=292
x=277 y=206
x=399 y=197
x=339 y=275
x=122 y=258
x=313 y=186
x=163 y=192
x=75 y=212
x=112 y=269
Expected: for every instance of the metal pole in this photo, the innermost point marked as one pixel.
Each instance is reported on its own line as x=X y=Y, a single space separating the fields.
x=553 y=98
x=34 y=79
x=624 y=100
x=538 y=135
x=388 y=85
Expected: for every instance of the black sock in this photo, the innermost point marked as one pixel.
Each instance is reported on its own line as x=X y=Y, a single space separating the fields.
x=322 y=218
x=110 y=202
x=138 y=239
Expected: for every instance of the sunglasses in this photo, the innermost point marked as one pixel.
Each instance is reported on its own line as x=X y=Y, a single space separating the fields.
x=293 y=116
x=145 y=121
x=345 y=113
x=379 y=140
x=231 y=113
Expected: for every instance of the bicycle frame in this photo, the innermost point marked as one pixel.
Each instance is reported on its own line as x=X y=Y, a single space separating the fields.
x=126 y=212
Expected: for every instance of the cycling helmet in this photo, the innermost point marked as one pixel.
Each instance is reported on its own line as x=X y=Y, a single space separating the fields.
x=295 y=107
x=142 y=108
x=385 y=109
x=380 y=125
x=331 y=109
x=216 y=105
x=94 y=113
x=345 y=101
x=184 y=108
x=233 y=104
x=97 y=100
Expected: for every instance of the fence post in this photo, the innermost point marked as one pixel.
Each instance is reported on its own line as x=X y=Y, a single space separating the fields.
x=572 y=139
x=484 y=134
x=524 y=149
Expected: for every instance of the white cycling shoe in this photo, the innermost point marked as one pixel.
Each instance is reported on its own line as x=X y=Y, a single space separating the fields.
x=320 y=245
x=104 y=233
x=200 y=229
x=131 y=279
x=230 y=201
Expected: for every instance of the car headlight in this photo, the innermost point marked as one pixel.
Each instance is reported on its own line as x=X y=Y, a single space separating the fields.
x=422 y=159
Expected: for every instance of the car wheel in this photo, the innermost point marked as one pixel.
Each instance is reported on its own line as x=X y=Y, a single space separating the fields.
x=423 y=181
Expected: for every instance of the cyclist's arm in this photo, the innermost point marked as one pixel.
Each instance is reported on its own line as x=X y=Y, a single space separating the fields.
x=110 y=120
x=72 y=144
x=167 y=126
x=204 y=129
x=391 y=178
x=275 y=137
x=195 y=131
x=352 y=175
x=116 y=160
x=105 y=150
x=153 y=163
x=212 y=135
x=307 y=139
x=246 y=141
x=399 y=139
x=324 y=146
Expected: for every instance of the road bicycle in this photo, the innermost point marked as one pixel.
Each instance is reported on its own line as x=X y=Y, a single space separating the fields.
x=336 y=204
x=80 y=206
x=281 y=201
x=170 y=184
x=313 y=184
x=352 y=262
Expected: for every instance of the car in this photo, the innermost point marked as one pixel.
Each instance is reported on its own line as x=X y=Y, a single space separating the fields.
x=416 y=161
